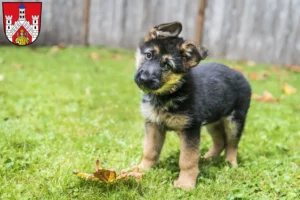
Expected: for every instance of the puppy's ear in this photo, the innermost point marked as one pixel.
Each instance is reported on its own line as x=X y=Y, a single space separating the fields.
x=164 y=30
x=192 y=54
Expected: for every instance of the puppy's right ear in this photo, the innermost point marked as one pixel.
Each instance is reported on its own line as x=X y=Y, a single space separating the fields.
x=192 y=53
x=162 y=31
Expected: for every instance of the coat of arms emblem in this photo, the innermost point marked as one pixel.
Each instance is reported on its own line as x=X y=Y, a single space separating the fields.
x=22 y=21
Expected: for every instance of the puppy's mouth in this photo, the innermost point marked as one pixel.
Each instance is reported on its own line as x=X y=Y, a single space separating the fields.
x=146 y=89
x=171 y=84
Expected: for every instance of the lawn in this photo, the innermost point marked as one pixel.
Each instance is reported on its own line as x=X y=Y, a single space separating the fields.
x=61 y=109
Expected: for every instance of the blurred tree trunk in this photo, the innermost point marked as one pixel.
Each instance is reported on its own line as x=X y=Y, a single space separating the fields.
x=86 y=22
x=200 y=21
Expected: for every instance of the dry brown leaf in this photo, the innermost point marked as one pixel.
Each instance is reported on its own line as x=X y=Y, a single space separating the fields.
x=109 y=175
x=256 y=76
x=126 y=173
x=276 y=68
x=288 y=89
x=255 y=96
x=17 y=65
x=250 y=63
x=264 y=75
x=61 y=45
x=105 y=175
x=279 y=70
x=293 y=68
x=116 y=57
x=95 y=56
x=54 y=49
x=239 y=68
x=266 y=97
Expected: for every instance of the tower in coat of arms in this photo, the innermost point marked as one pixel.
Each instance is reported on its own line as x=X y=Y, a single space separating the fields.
x=22 y=21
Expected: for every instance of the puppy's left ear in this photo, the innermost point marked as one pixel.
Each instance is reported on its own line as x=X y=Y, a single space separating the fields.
x=192 y=54
x=164 y=30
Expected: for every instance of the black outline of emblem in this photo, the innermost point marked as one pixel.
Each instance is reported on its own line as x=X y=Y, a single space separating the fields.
x=40 y=21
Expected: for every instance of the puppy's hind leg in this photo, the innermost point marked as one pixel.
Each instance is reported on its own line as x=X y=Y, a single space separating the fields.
x=233 y=125
x=217 y=133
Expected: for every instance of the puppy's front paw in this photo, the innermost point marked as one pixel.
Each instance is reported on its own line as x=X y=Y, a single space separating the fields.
x=233 y=162
x=187 y=178
x=208 y=155
x=146 y=165
x=184 y=184
x=143 y=168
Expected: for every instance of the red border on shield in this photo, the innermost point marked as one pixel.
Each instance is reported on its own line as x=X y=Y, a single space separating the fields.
x=26 y=3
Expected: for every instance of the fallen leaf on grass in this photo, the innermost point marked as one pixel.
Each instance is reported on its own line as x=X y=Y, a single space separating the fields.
x=17 y=65
x=106 y=175
x=288 y=89
x=54 y=49
x=1 y=77
x=266 y=97
x=109 y=175
x=255 y=76
x=117 y=57
x=238 y=68
x=61 y=45
x=276 y=68
x=255 y=96
x=279 y=71
x=250 y=63
x=293 y=68
x=134 y=172
x=95 y=56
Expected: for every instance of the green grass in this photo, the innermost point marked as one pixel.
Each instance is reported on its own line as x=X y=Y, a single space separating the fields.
x=62 y=111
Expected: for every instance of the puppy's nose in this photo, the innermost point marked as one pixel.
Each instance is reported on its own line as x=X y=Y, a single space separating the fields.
x=149 y=82
x=144 y=78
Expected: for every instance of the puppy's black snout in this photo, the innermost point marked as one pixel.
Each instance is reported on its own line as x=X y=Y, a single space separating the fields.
x=147 y=81
x=144 y=78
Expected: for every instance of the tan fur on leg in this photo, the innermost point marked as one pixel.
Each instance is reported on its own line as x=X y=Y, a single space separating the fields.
x=154 y=140
x=216 y=130
x=231 y=130
x=231 y=155
x=188 y=162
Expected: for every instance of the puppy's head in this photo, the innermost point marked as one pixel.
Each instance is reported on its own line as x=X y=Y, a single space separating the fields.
x=163 y=59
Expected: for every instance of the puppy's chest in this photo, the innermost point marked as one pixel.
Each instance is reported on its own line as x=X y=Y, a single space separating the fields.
x=163 y=117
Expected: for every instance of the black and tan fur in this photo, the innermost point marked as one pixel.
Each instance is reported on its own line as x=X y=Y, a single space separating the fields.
x=182 y=95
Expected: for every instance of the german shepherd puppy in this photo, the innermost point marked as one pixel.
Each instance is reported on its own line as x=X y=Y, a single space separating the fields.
x=181 y=96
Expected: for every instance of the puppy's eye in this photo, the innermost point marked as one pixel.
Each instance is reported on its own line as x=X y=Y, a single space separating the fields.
x=148 y=56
